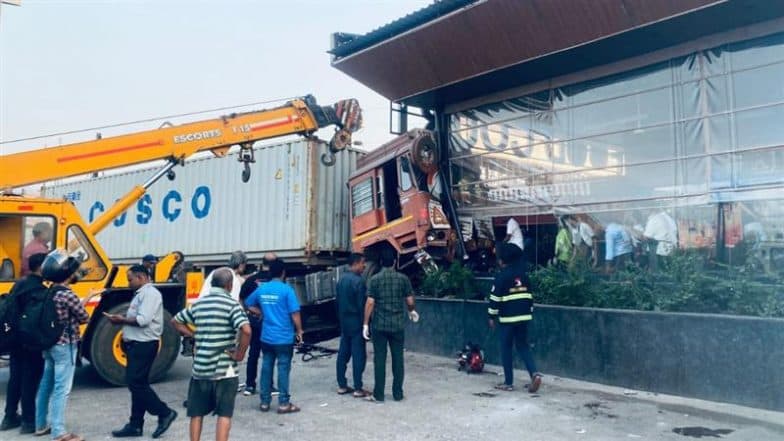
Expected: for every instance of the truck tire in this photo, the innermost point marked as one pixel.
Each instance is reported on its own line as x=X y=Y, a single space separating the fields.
x=108 y=357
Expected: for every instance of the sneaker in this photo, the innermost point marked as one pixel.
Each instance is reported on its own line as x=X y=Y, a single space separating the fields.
x=11 y=422
x=249 y=390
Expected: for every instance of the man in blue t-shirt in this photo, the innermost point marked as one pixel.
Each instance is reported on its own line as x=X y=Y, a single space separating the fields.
x=277 y=304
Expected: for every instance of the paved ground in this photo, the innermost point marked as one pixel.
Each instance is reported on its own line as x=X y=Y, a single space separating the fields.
x=441 y=404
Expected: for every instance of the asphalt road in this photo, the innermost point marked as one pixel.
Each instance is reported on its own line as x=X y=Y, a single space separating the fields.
x=441 y=404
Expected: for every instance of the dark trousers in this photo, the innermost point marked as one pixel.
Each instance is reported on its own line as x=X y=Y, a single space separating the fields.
x=515 y=335
x=25 y=371
x=352 y=347
x=252 y=369
x=395 y=340
x=140 y=356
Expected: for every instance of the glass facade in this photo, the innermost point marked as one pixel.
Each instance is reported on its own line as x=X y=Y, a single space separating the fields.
x=688 y=152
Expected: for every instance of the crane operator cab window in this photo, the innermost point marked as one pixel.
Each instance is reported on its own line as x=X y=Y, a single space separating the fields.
x=20 y=238
x=92 y=268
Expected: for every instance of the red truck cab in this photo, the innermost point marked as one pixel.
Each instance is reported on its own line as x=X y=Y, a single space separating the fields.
x=395 y=202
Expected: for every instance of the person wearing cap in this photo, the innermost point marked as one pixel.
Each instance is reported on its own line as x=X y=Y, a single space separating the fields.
x=60 y=360
x=511 y=304
x=149 y=261
x=237 y=262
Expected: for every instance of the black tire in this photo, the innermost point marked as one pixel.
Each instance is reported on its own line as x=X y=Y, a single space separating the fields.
x=102 y=352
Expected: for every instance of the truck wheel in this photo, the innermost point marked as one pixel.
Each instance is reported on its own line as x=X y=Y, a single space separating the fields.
x=108 y=357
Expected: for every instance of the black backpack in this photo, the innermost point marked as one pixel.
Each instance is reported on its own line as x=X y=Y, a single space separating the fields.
x=9 y=322
x=39 y=325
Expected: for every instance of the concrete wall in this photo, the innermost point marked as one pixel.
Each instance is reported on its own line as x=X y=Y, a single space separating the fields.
x=719 y=358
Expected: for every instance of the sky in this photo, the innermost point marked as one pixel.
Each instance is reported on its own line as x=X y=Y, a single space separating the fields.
x=68 y=65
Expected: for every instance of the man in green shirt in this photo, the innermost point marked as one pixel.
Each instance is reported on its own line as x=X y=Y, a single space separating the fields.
x=389 y=294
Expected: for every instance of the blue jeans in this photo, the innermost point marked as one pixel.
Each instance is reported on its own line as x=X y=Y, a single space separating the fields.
x=512 y=335
x=352 y=346
x=59 y=366
x=283 y=354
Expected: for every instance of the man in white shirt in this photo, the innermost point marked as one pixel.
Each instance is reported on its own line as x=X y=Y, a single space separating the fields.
x=662 y=229
x=237 y=263
x=514 y=234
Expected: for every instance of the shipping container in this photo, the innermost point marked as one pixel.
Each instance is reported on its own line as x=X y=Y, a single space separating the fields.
x=293 y=206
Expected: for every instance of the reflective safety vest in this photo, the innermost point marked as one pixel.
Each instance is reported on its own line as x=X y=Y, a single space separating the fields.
x=510 y=300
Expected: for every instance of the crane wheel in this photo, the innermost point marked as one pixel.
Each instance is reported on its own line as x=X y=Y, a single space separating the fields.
x=107 y=355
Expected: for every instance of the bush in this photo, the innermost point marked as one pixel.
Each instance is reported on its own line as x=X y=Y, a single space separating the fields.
x=686 y=282
x=456 y=281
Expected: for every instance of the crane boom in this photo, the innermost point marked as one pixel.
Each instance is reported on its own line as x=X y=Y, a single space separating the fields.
x=176 y=143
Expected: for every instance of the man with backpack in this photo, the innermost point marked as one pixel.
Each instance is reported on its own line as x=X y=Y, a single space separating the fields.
x=59 y=352
x=26 y=366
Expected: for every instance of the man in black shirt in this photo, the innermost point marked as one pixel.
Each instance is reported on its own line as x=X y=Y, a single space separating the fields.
x=351 y=297
x=251 y=283
x=26 y=367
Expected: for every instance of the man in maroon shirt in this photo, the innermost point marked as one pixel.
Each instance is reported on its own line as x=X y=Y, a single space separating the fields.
x=42 y=235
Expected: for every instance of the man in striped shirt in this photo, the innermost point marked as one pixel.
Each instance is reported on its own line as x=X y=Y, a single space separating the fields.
x=218 y=319
x=512 y=305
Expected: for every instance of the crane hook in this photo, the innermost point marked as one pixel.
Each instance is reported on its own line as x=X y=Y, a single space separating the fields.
x=328 y=159
x=246 y=173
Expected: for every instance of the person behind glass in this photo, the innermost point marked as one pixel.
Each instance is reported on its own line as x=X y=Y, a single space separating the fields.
x=141 y=333
x=60 y=359
x=42 y=235
x=250 y=285
x=351 y=298
x=511 y=305
x=277 y=303
x=25 y=365
x=220 y=321
x=563 y=243
x=514 y=234
x=618 y=246
x=389 y=293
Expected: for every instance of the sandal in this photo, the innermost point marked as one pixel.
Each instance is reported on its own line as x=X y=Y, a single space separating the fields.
x=361 y=393
x=290 y=408
x=504 y=387
x=42 y=432
x=69 y=437
x=344 y=390
x=264 y=407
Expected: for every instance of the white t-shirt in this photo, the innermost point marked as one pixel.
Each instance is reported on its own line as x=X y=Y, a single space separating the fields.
x=661 y=227
x=583 y=233
x=235 y=288
x=513 y=230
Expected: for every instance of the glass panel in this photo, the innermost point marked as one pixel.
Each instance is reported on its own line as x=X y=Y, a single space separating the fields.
x=645 y=78
x=759 y=86
x=630 y=112
x=760 y=127
x=406 y=181
x=79 y=247
x=756 y=52
x=362 y=197
x=761 y=167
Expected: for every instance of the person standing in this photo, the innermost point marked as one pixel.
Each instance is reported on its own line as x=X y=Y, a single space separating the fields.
x=60 y=359
x=42 y=235
x=141 y=332
x=511 y=304
x=563 y=243
x=277 y=303
x=237 y=262
x=351 y=298
x=26 y=366
x=250 y=285
x=149 y=261
x=219 y=320
x=389 y=293
x=514 y=234
x=618 y=246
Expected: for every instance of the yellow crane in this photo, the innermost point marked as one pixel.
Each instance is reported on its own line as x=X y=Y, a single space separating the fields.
x=55 y=223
